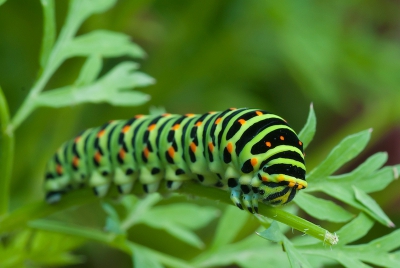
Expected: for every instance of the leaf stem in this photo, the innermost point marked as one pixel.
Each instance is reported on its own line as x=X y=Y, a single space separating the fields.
x=304 y=226
x=21 y=216
x=6 y=154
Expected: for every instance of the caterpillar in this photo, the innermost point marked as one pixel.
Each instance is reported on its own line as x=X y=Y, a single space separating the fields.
x=252 y=153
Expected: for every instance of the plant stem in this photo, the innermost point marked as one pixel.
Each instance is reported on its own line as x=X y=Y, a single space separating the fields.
x=20 y=217
x=277 y=214
x=6 y=154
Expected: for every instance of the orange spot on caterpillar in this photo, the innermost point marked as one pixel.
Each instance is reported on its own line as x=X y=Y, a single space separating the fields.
x=97 y=156
x=166 y=114
x=77 y=139
x=171 y=152
x=146 y=152
x=299 y=186
x=121 y=153
x=75 y=161
x=211 y=146
x=198 y=123
x=259 y=113
x=139 y=116
x=292 y=184
x=282 y=138
x=59 y=170
x=189 y=115
x=242 y=121
x=254 y=161
x=281 y=177
x=268 y=144
x=218 y=120
x=212 y=112
x=264 y=178
x=125 y=129
x=176 y=127
x=229 y=147
x=300 y=143
x=193 y=147
x=151 y=127
x=232 y=109
x=101 y=133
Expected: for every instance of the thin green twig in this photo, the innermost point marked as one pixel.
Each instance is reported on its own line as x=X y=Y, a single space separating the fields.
x=34 y=211
x=277 y=214
x=6 y=154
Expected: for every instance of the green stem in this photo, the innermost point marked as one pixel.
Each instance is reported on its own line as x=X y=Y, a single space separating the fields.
x=20 y=217
x=50 y=62
x=6 y=155
x=277 y=214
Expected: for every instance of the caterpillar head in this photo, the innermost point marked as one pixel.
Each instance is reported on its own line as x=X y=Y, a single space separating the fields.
x=280 y=183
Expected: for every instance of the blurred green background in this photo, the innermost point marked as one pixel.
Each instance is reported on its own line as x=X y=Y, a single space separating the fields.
x=343 y=56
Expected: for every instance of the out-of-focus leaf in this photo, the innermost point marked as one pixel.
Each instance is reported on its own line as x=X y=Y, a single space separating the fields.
x=179 y=219
x=274 y=234
x=226 y=231
x=369 y=166
x=113 y=223
x=314 y=206
x=296 y=259
x=355 y=229
x=81 y=9
x=89 y=71
x=373 y=208
x=49 y=248
x=377 y=252
x=307 y=133
x=112 y=88
x=249 y=252
x=142 y=258
x=378 y=180
x=101 y=42
x=187 y=215
x=41 y=248
x=2 y=1
x=136 y=208
x=49 y=30
x=346 y=150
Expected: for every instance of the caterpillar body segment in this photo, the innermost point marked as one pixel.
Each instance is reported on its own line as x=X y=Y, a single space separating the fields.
x=253 y=154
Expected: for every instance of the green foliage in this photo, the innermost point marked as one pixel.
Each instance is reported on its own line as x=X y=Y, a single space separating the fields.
x=96 y=45
x=26 y=239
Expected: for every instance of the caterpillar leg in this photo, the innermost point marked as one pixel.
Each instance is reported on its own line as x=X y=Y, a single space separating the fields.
x=235 y=197
x=53 y=196
x=150 y=179
x=247 y=201
x=173 y=185
x=101 y=190
x=100 y=183
x=235 y=192
x=124 y=180
x=125 y=188
x=254 y=201
x=151 y=187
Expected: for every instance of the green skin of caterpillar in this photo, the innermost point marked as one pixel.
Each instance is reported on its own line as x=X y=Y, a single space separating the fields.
x=252 y=153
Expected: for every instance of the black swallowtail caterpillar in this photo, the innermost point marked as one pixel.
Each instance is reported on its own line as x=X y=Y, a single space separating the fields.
x=253 y=153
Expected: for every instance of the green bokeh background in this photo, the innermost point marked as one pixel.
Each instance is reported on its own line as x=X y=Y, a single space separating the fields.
x=343 y=56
